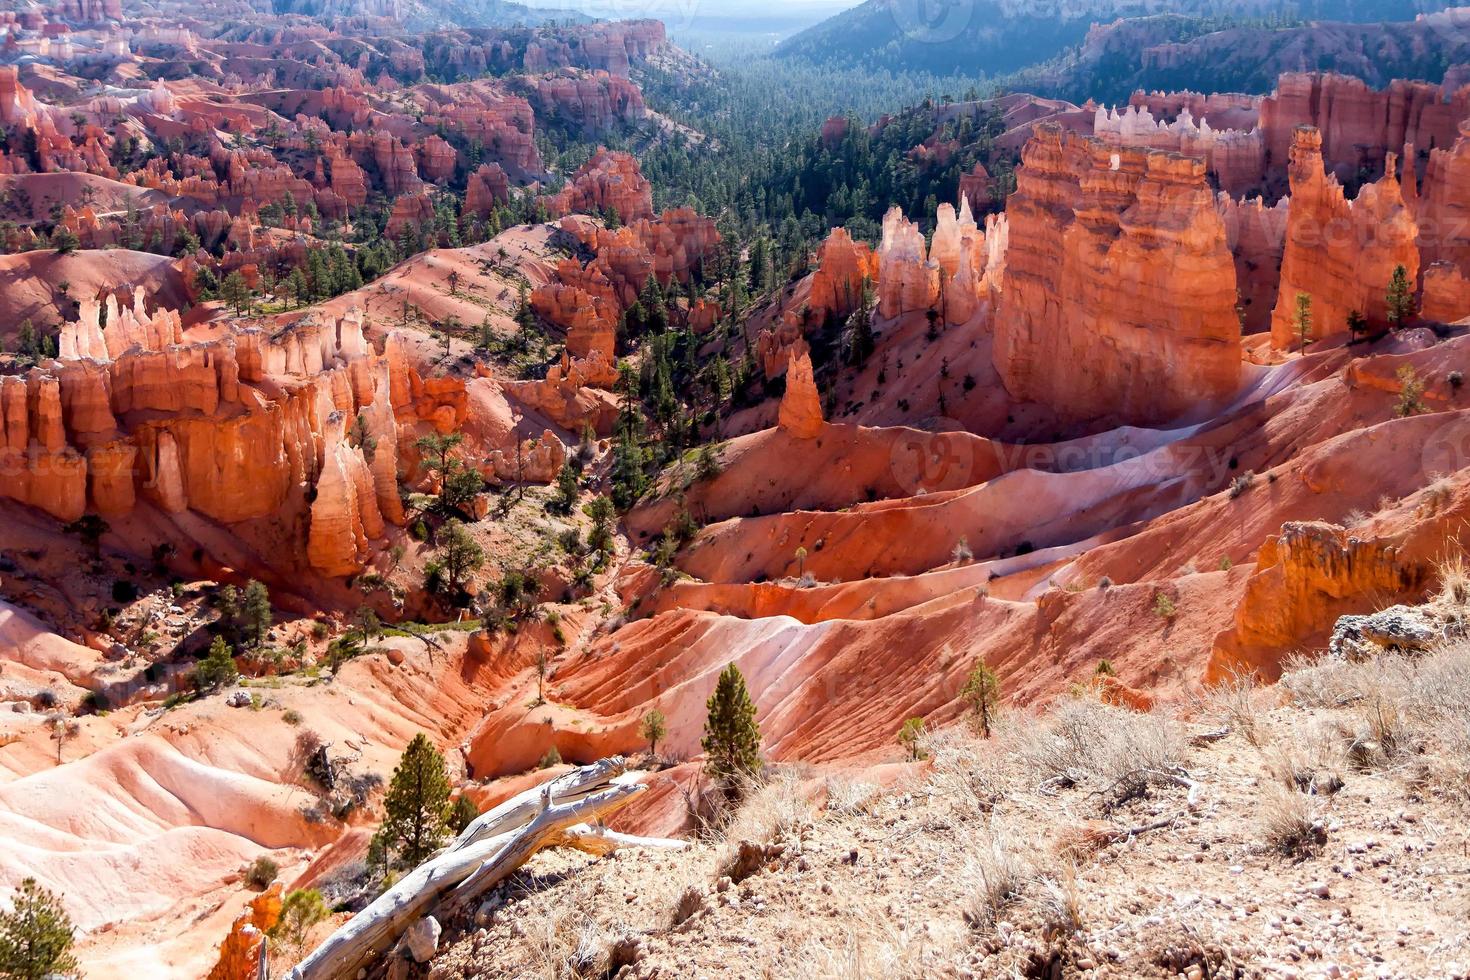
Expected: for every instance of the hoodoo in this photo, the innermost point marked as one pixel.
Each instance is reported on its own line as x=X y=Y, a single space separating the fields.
x=1340 y=253
x=1119 y=293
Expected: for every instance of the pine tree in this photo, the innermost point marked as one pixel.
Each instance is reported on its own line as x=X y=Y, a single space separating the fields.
x=461 y=485
x=460 y=554
x=36 y=936
x=1304 y=318
x=708 y=463
x=910 y=734
x=601 y=511
x=1357 y=324
x=217 y=669
x=257 y=612
x=732 y=740
x=567 y=488
x=525 y=319
x=236 y=292
x=461 y=814
x=296 y=283
x=301 y=910
x=438 y=446
x=228 y=605
x=416 y=805
x=1400 y=298
x=981 y=691
x=652 y=729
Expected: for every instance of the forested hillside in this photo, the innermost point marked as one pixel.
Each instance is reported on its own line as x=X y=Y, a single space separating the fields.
x=998 y=37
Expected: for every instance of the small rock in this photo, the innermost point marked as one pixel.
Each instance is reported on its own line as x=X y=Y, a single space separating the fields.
x=238 y=699
x=422 y=939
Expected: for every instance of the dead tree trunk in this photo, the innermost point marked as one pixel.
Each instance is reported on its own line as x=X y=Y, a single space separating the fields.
x=493 y=846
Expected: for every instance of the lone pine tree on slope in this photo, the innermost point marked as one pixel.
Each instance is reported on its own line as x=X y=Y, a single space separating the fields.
x=732 y=740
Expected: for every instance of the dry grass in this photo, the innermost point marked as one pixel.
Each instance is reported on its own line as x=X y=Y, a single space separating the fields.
x=850 y=797
x=1083 y=740
x=1454 y=584
x=1308 y=759
x=859 y=955
x=1436 y=497
x=777 y=812
x=1059 y=900
x=966 y=769
x=1397 y=709
x=999 y=874
x=565 y=946
x=1237 y=703
x=1290 y=821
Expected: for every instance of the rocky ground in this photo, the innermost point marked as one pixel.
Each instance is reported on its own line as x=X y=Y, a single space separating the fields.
x=1312 y=829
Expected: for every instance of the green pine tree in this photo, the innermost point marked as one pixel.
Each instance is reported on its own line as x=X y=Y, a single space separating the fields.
x=981 y=692
x=236 y=292
x=217 y=669
x=461 y=814
x=1304 y=318
x=1400 y=298
x=653 y=728
x=568 y=488
x=416 y=806
x=36 y=935
x=732 y=740
x=257 y=612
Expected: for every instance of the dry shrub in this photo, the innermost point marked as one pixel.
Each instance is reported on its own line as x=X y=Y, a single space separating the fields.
x=850 y=797
x=1236 y=702
x=1436 y=497
x=860 y=954
x=565 y=946
x=1398 y=708
x=965 y=769
x=707 y=806
x=1059 y=901
x=999 y=874
x=1381 y=734
x=1083 y=740
x=1308 y=760
x=778 y=812
x=1454 y=584
x=1322 y=682
x=1289 y=821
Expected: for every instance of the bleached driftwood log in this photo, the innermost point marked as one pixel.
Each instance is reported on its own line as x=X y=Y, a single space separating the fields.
x=494 y=845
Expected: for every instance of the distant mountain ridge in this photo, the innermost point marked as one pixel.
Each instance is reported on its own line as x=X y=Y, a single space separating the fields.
x=999 y=37
x=1146 y=53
